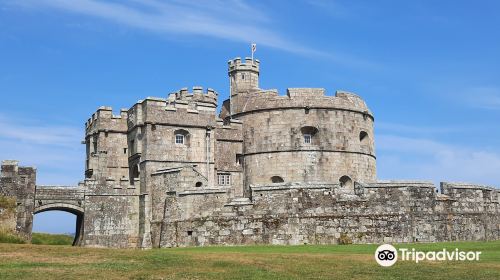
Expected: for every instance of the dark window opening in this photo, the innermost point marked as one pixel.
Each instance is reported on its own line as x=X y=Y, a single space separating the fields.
x=364 y=142
x=125 y=150
x=239 y=159
x=309 y=134
x=345 y=182
x=363 y=136
x=277 y=179
x=190 y=232
x=134 y=174
x=181 y=137
x=94 y=144
x=307 y=138
x=198 y=184
x=89 y=173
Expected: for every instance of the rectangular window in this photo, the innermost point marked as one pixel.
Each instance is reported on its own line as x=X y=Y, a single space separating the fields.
x=224 y=179
x=179 y=139
x=307 y=138
x=239 y=159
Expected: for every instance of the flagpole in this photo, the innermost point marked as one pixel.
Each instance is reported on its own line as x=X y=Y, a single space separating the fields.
x=230 y=99
x=251 y=49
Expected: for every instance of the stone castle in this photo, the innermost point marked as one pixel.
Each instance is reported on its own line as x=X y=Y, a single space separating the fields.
x=298 y=168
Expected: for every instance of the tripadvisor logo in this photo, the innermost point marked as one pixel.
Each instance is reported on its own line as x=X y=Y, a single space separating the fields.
x=387 y=255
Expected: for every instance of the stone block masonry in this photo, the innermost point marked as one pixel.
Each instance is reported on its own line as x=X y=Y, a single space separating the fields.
x=298 y=168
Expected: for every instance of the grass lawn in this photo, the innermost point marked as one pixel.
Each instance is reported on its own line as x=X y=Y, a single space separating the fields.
x=51 y=239
x=26 y=261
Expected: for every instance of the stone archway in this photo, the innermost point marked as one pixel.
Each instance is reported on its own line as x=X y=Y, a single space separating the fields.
x=70 y=208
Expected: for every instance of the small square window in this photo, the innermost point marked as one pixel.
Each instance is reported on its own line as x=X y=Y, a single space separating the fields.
x=179 y=139
x=307 y=138
x=224 y=179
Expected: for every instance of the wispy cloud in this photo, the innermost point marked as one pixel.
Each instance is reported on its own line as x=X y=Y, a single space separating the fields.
x=54 y=149
x=407 y=151
x=484 y=97
x=421 y=158
x=233 y=20
x=30 y=132
x=420 y=130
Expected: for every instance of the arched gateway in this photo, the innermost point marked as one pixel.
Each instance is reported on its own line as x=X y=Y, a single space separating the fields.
x=62 y=198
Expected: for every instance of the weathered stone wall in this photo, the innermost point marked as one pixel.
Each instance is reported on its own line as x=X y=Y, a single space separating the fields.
x=111 y=215
x=176 y=198
x=8 y=219
x=229 y=154
x=326 y=214
x=17 y=184
x=274 y=129
x=106 y=145
x=243 y=75
x=275 y=136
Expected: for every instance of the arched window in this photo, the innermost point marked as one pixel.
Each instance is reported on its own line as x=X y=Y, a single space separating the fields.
x=181 y=137
x=277 y=179
x=198 y=184
x=364 y=142
x=309 y=135
x=363 y=137
x=134 y=174
x=345 y=182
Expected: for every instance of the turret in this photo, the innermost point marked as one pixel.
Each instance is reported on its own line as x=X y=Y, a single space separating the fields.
x=106 y=145
x=243 y=76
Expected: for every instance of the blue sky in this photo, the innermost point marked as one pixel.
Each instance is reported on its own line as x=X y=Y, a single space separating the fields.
x=429 y=71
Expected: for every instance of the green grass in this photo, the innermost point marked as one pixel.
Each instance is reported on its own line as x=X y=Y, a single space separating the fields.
x=7 y=237
x=7 y=202
x=239 y=262
x=51 y=239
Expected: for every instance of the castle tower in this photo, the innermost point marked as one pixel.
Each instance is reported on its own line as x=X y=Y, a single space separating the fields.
x=106 y=145
x=243 y=76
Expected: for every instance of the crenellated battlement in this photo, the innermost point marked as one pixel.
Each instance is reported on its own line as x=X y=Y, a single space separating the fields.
x=297 y=98
x=103 y=119
x=194 y=99
x=198 y=95
x=305 y=92
x=246 y=65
